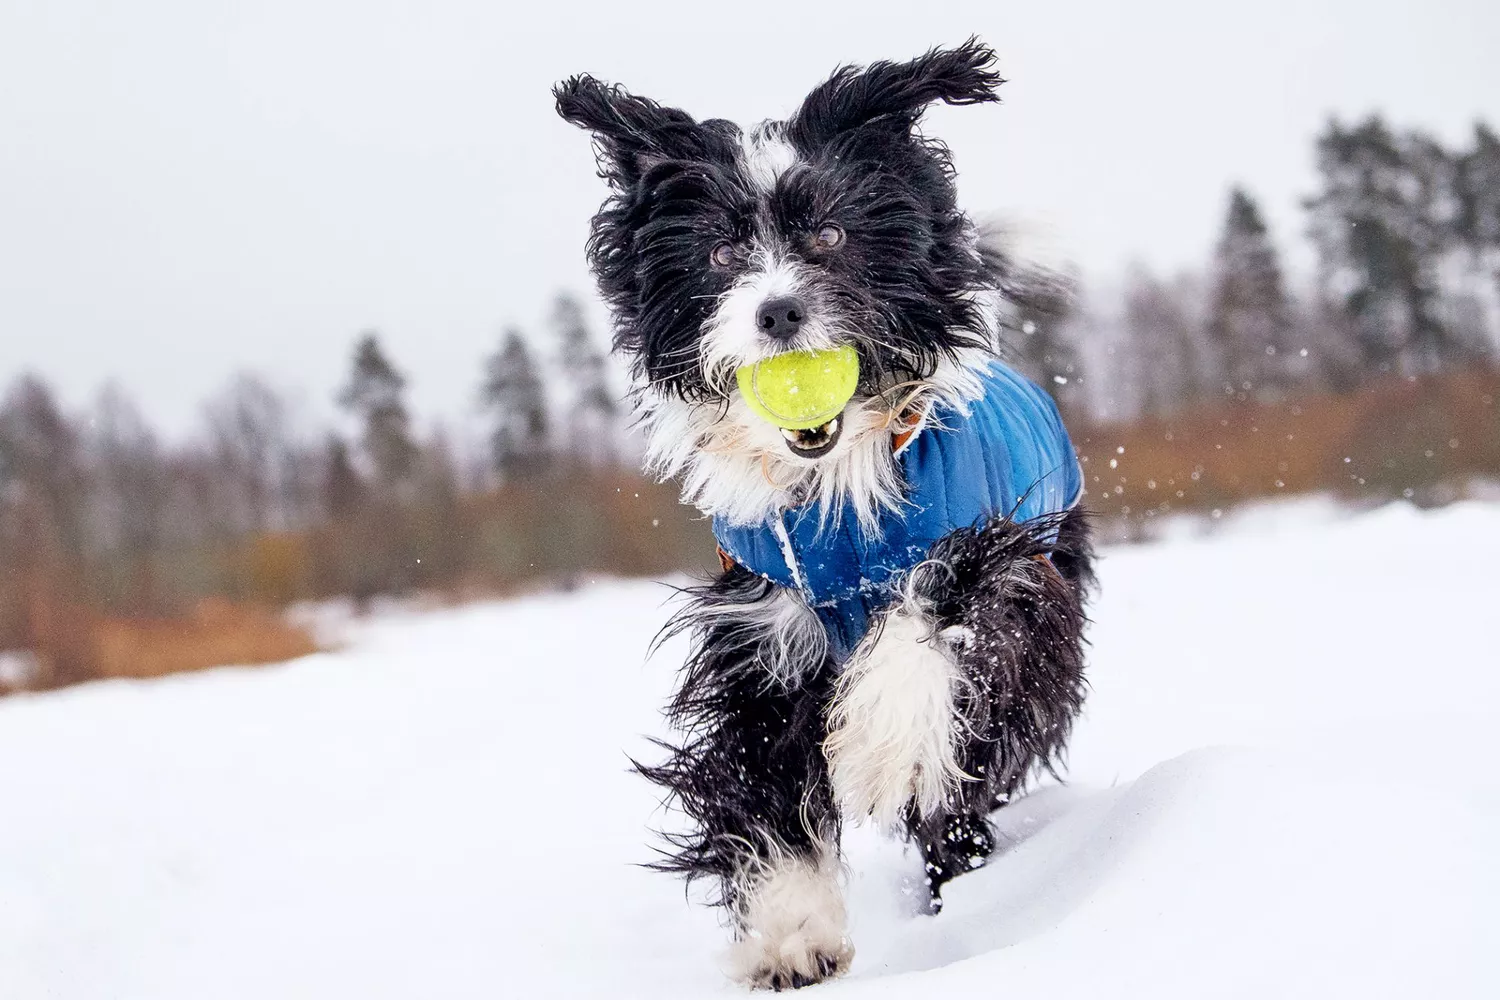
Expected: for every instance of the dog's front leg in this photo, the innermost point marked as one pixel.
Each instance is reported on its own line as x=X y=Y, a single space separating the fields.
x=752 y=778
x=966 y=686
x=894 y=722
x=1011 y=596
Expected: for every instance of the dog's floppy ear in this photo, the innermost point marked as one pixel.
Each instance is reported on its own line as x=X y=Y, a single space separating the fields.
x=897 y=92
x=630 y=132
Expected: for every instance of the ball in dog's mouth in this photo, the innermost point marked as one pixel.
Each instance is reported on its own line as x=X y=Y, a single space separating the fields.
x=814 y=442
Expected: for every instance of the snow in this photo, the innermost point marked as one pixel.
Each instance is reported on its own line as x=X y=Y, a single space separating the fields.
x=1285 y=786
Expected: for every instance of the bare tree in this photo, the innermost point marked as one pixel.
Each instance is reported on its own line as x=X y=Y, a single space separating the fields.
x=591 y=422
x=1045 y=331
x=250 y=438
x=1169 y=356
x=43 y=524
x=132 y=489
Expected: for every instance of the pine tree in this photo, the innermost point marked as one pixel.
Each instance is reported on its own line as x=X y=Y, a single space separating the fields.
x=592 y=410
x=374 y=395
x=343 y=489
x=1478 y=190
x=514 y=393
x=1359 y=256
x=1249 y=318
x=1382 y=224
x=1430 y=227
x=439 y=540
x=355 y=554
x=1477 y=229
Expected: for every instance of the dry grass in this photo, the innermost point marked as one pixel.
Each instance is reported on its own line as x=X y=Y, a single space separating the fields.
x=216 y=633
x=1392 y=438
x=74 y=644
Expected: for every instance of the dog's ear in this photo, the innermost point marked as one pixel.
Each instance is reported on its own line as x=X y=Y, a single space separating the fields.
x=897 y=93
x=631 y=132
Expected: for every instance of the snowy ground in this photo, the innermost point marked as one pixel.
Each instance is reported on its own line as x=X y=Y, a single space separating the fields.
x=1286 y=786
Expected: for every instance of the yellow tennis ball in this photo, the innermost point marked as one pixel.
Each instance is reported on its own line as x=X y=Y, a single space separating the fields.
x=800 y=390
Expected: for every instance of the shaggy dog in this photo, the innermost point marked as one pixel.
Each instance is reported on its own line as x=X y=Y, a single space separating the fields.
x=897 y=631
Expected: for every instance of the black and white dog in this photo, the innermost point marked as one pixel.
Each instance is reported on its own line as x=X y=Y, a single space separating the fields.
x=897 y=632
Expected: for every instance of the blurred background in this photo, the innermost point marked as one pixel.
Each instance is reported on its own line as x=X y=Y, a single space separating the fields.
x=293 y=307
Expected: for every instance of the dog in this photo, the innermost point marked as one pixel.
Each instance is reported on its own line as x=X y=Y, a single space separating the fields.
x=897 y=631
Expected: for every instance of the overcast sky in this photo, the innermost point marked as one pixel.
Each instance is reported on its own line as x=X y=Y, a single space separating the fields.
x=189 y=187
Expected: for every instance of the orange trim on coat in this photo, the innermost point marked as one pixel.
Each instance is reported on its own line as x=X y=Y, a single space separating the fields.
x=912 y=421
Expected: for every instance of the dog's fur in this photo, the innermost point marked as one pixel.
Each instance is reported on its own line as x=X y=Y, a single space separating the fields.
x=968 y=683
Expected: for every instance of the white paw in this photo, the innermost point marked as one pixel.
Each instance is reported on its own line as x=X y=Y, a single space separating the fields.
x=893 y=723
x=792 y=927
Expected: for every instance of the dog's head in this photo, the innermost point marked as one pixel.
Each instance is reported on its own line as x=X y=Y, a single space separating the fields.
x=719 y=247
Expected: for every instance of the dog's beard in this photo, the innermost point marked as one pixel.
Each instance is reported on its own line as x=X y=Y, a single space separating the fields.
x=731 y=338
x=725 y=352
x=737 y=466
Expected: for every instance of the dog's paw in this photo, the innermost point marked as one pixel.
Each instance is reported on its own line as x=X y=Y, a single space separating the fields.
x=795 y=965
x=893 y=724
x=792 y=927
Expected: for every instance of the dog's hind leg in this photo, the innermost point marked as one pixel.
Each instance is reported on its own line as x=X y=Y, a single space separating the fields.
x=750 y=774
x=1009 y=599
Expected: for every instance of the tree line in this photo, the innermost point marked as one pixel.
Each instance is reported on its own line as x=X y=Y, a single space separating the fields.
x=1188 y=393
x=1406 y=235
x=100 y=517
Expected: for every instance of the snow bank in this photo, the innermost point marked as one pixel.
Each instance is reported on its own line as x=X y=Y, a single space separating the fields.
x=1285 y=786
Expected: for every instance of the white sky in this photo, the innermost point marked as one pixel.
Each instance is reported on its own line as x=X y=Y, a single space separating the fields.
x=189 y=187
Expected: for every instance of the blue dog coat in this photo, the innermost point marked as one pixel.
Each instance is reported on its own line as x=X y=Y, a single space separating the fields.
x=1008 y=455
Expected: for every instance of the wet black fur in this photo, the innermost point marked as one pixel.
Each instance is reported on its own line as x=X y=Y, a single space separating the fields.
x=1018 y=599
x=903 y=284
x=750 y=772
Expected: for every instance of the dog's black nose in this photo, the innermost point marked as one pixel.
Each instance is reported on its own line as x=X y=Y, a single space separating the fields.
x=781 y=317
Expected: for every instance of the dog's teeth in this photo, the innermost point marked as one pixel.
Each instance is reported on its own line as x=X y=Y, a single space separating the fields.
x=812 y=437
x=813 y=441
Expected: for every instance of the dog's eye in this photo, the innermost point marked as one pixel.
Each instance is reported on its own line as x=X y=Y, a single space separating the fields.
x=722 y=255
x=830 y=237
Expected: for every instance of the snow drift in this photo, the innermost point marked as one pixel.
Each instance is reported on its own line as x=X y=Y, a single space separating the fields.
x=1285 y=785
